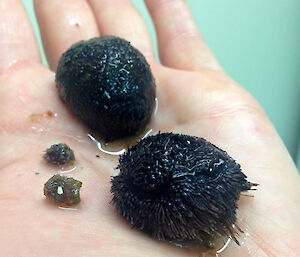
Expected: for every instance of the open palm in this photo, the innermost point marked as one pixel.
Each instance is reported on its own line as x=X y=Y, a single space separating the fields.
x=195 y=97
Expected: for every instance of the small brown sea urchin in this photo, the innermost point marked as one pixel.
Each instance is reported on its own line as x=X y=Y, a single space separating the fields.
x=63 y=190
x=179 y=188
x=59 y=154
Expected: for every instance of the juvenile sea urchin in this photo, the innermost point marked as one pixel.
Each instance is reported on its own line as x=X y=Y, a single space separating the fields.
x=63 y=190
x=59 y=154
x=179 y=188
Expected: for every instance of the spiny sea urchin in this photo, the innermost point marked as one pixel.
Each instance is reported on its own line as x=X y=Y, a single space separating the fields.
x=179 y=188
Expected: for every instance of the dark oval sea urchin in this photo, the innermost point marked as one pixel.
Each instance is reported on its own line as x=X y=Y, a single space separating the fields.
x=179 y=188
x=108 y=84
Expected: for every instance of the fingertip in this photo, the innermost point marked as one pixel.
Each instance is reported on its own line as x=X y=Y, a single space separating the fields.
x=62 y=23
x=121 y=18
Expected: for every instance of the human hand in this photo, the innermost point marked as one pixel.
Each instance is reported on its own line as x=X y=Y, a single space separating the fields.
x=195 y=97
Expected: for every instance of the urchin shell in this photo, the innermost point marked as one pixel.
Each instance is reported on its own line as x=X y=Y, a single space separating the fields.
x=108 y=84
x=179 y=188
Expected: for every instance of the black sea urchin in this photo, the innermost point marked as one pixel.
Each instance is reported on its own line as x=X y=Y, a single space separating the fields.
x=108 y=84
x=179 y=188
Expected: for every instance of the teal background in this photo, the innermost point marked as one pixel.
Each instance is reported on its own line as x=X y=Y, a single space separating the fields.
x=258 y=44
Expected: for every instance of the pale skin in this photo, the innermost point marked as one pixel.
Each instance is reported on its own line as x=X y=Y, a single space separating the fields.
x=196 y=97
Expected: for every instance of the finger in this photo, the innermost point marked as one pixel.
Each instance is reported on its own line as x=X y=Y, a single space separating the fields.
x=62 y=23
x=120 y=18
x=180 y=42
x=17 y=40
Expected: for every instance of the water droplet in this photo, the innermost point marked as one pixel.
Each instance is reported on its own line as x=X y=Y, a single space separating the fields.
x=99 y=146
x=224 y=246
x=39 y=129
x=67 y=169
x=67 y=208
x=74 y=22
x=156 y=107
x=147 y=133
x=12 y=62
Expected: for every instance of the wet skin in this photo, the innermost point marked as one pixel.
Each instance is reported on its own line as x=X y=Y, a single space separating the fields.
x=198 y=100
